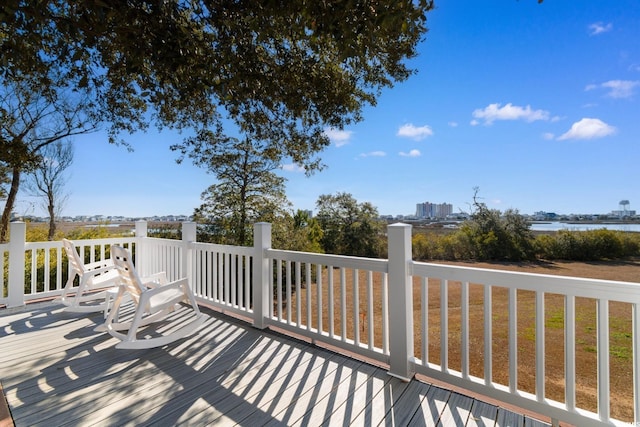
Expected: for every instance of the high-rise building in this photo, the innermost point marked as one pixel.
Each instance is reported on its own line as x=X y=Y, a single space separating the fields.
x=433 y=210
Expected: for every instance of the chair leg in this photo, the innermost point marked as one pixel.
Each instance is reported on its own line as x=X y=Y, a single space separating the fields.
x=110 y=295
x=115 y=310
x=67 y=288
x=136 y=323
x=189 y=298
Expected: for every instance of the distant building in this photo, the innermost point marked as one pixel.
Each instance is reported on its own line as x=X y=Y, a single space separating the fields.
x=545 y=216
x=433 y=210
x=623 y=213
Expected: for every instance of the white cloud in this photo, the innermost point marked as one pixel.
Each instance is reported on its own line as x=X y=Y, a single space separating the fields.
x=617 y=88
x=374 y=154
x=588 y=129
x=412 y=153
x=599 y=28
x=292 y=167
x=338 y=137
x=453 y=124
x=548 y=136
x=414 y=132
x=495 y=112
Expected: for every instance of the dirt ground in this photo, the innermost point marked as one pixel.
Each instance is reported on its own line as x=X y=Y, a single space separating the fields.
x=621 y=378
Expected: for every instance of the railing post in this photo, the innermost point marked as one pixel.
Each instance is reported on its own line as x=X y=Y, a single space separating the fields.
x=400 y=302
x=261 y=282
x=141 y=253
x=189 y=235
x=141 y=228
x=17 y=240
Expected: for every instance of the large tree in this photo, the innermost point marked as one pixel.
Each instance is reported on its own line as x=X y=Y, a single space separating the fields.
x=280 y=70
x=48 y=180
x=348 y=227
x=297 y=231
x=5 y=179
x=31 y=118
x=247 y=189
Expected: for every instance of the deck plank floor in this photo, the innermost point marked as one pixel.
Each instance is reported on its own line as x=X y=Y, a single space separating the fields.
x=55 y=370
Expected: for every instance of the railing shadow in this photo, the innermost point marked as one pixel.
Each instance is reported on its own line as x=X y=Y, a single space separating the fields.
x=227 y=372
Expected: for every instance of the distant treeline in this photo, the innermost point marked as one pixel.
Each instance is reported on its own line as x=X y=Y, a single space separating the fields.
x=506 y=242
x=488 y=236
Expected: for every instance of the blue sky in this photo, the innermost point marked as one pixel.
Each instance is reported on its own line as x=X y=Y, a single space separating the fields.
x=538 y=105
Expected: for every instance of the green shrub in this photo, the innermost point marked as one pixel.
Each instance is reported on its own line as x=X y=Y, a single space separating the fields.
x=592 y=245
x=470 y=243
x=491 y=235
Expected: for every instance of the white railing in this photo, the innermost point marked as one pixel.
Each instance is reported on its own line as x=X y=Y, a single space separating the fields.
x=36 y=270
x=526 y=312
x=330 y=298
x=487 y=331
x=221 y=276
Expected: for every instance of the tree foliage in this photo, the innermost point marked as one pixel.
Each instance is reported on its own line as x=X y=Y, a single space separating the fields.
x=591 y=245
x=247 y=190
x=492 y=235
x=297 y=232
x=281 y=70
x=348 y=227
x=31 y=118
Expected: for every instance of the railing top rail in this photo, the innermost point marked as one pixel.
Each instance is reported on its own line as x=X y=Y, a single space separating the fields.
x=372 y=264
x=564 y=285
x=240 y=250
x=78 y=242
x=165 y=240
x=43 y=245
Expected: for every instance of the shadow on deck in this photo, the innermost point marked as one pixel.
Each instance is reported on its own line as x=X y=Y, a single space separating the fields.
x=56 y=370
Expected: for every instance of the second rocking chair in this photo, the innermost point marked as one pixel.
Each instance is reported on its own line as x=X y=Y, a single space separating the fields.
x=152 y=303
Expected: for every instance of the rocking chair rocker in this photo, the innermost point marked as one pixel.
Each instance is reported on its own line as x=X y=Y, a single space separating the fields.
x=152 y=302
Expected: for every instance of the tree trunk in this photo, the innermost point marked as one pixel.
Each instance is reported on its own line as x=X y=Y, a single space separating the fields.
x=8 y=207
x=52 y=219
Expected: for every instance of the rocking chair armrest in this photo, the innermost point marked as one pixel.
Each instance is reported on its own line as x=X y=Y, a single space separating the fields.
x=154 y=280
x=98 y=270
x=159 y=289
x=106 y=264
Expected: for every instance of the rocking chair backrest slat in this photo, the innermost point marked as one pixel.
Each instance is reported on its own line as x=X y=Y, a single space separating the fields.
x=128 y=275
x=73 y=256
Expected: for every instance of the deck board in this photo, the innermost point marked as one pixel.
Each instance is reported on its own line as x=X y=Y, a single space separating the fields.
x=56 y=370
x=457 y=411
x=482 y=415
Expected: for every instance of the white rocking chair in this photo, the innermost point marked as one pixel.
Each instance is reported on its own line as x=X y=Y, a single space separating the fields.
x=152 y=302
x=95 y=279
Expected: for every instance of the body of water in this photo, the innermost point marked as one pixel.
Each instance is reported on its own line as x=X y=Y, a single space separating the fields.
x=557 y=226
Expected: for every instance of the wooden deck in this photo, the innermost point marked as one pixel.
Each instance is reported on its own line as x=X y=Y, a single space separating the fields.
x=55 y=370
